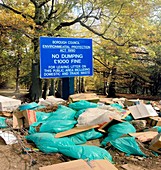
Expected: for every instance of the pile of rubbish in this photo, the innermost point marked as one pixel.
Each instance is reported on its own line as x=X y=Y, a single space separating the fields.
x=67 y=126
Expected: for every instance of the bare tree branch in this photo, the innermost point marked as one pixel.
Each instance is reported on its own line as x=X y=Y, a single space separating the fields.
x=34 y=2
x=49 y=16
x=65 y=24
x=119 y=11
x=43 y=3
x=101 y=62
x=16 y=29
x=15 y=11
x=102 y=35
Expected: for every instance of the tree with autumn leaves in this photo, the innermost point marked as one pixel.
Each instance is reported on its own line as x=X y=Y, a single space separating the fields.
x=119 y=29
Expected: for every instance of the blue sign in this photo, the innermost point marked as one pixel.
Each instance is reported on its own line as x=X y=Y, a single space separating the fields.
x=65 y=57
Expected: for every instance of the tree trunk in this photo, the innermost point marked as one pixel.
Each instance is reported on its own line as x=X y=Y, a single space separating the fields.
x=18 y=74
x=36 y=86
x=36 y=89
x=112 y=91
x=45 y=89
x=17 y=79
x=52 y=88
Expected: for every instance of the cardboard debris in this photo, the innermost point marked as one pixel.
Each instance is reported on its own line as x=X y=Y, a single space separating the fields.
x=120 y=101
x=126 y=114
x=81 y=165
x=144 y=136
x=132 y=102
x=75 y=130
x=154 y=121
x=23 y=119
x=102 y=165
x=72 y=165
x=51 y=100
x=6 y=114
x=104 y=127
x=155 y=144
x=92 y=97
x=142 y=111
x=107 y=101
x=8 y=104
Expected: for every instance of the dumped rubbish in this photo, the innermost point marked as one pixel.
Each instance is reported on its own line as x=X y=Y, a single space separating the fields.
x=82 y=104
x=144 y=136
x=154 y=121
x=75 y=130
x=94 y=116
x=28 y=106
x=69 y=129
x=142 y=111
x=86 y=152
x=127 y=145
x=51 y=101
x=52 y=126
x=23 y=119
x=155 y=144
x=47 y=143
x=118 y=130
x=8 y=104
x=83 y=137
x=139 y=125
x=82 y=165
x=8 y=137
x=91 y=97
x=3 y=123
x=63 y=113
x=76 y=164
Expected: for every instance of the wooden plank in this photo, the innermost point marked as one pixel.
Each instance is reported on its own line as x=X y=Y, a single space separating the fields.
x=75 y=130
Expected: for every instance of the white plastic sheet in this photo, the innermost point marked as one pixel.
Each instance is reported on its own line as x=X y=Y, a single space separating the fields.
x=94 y=116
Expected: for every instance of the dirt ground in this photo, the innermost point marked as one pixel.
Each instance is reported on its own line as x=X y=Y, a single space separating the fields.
x=12 y=157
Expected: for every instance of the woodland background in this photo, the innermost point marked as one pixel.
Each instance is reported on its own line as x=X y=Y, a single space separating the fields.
x=126 y=44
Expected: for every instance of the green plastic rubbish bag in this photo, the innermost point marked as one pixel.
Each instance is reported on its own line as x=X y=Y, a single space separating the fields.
x=117 y=106
x=117 y=130
x=78 y=113
x=47 y=143
x=52 y=126
x=3 y=122
x=83 y=137
x=86 y=152
x=63 y=113
x=42 y=116
x=30 y=106
x=127 y=145
x=129 y=118
x=82 y=104
x=158 y=128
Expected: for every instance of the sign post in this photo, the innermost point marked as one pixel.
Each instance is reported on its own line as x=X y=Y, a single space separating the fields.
x=65 y=58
